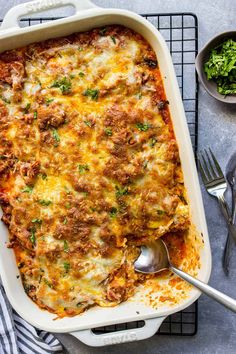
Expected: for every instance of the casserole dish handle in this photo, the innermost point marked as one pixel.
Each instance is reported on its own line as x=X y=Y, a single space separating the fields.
x=150 y=327
x=12 y=17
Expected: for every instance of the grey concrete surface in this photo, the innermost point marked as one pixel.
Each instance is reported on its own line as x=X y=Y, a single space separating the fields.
x=217 y=128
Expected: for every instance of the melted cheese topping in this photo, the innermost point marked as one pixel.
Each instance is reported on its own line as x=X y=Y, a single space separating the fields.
x=89 y=165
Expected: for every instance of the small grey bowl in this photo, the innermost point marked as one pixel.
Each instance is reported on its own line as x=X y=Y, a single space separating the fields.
x=201 y=59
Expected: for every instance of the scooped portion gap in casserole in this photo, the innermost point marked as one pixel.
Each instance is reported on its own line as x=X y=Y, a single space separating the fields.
x=89 y=166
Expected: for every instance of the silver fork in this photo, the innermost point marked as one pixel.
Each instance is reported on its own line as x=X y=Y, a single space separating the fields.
x=216 y=185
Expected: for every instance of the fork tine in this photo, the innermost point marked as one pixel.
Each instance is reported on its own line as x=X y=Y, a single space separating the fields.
x=206 y=169
x=213 y=172
x=217 y=166
x=204 y=178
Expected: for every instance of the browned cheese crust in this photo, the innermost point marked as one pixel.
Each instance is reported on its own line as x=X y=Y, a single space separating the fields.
x=89 y=166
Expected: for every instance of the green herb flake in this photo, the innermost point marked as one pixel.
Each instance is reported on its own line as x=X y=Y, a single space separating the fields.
x=161 y=212
x=83 y=168
x=49 y=100
x=108 y=131
x=67 y=190
x=72 y=76
x=113 y=212
x=153 y=142
x=63 y=84
x=80 y=49
x=66 y=247
x=65 y=221
x=81 y=74
x=27 y=189
x=93 y=94
x=44 y=202
x=27 y=108
x=67 y=205
x=88 y=123
x=145 y=164
x=121 y=191
x=4 y=99
x=36 y=220
x=44 y=176
x=50 y=285
x=66 y=266
x=32 y=237
x=113 y=39
x=143 y=127
x=103 y=31
x=221 y=67
x=139 y=95
x=35 y=115
x=56 y=135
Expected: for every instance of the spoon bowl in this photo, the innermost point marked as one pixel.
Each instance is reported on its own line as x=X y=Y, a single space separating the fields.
x=154 y=257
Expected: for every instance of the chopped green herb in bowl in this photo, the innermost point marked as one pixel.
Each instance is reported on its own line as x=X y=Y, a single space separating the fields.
x=221 y=67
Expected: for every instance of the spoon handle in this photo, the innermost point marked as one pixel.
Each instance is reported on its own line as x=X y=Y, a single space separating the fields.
x=223 y=299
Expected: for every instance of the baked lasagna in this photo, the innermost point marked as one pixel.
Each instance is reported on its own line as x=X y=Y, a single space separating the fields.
x=89 y=166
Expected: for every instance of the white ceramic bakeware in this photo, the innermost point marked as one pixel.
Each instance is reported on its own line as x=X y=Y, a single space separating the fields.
x=88 y=16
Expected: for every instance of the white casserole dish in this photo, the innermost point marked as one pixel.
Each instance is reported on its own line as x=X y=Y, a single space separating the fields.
x=89 y=16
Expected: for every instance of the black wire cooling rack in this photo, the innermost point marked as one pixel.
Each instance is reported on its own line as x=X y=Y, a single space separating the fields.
x=180 y=31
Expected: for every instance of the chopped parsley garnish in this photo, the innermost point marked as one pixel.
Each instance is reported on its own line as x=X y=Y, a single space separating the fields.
x=56 y=135
x=72 y=76
x=150 y=62
x=63 y=84
x=92 y=93
x=36 y=220
x=48 y=283
x=221 y=67
x=83 y=168
x=153 y=141
x=27 y=189
x=81 y=74
x=88 y=123
x=27 y=108
x=113 y=211
x=66 y=247
x=67 y=190
x=45 y=202
x=5 y=99
x=161 y=212
x=121 y=191
x=145 y=164
x=139 y=95
x=143 y=127
x=67 y=205
x=65 y=221
x=44 y=176
x=108 y=131
x=32 y=237
x=66 y=266
x=103 y=31
x=113 y=39
x=80 y=49
x=49 y=100
x=35 y=115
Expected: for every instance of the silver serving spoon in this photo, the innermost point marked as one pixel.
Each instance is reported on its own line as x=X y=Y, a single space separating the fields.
x=154 y=258
x=231 y=178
